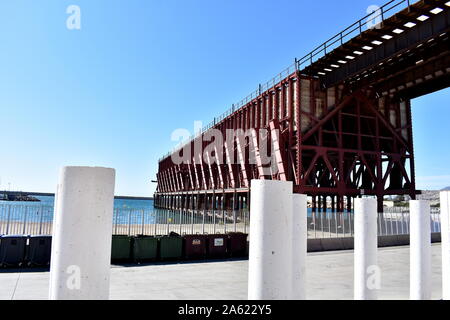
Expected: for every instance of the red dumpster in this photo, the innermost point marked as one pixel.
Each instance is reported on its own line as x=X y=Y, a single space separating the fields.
x=195 y=246
x=217 y=245
x=237 y=244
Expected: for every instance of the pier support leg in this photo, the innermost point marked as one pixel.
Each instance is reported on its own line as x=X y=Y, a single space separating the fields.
x=367 y=275
x=299 y=246
x=349 y=204
x=270 y=258
x=81 y=248
x=333 y=204
x=420 y=250
x=445 y=235
x=314 y=204
x=380 y=203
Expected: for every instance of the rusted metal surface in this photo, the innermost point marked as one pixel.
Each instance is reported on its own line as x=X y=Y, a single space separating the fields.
x=337 y=130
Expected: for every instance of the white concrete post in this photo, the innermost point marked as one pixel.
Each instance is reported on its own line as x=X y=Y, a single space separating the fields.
x=445 y=237
x=82 y=233
x=420 y=250
x=367 y=274
x=299 y=246
x=269 y=276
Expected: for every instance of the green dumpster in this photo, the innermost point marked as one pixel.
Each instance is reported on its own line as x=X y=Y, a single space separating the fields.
x=121 y=248
x=170 y=248
x=145 y=248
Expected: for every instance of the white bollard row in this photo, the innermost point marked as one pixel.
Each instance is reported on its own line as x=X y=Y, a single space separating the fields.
x=82 y=233
x=277 y=242
x=366 y=271
x=420 y=259
x=81 y=249
x=445 y=235
x=278 y=246
x=420 y=250
x=299 y=246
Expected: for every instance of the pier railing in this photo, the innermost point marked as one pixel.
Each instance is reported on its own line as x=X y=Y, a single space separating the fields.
x=38 y=219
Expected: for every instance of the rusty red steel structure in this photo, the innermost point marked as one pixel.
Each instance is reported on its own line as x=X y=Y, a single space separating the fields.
x=338 y=124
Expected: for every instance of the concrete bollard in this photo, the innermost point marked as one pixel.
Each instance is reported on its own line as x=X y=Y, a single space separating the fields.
x=270 y=255
x=367 y=273
x=299 y=246
x=420 y=250
x=82 y=233
x=445 y=236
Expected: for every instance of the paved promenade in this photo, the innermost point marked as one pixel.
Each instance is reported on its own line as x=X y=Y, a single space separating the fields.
x=330 y=276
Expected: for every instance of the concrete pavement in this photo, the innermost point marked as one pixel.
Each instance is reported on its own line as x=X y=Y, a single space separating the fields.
x=330 y=276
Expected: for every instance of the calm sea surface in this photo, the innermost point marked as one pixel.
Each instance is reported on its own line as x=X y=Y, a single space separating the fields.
x=123 y=208
x=118 y=203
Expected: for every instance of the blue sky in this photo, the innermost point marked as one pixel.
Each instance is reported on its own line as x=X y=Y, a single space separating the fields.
x=111 y=93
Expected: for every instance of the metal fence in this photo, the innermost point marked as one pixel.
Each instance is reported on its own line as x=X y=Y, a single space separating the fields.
x=163 y=222
x=37 y=220
x=393 y=221
x=25 y=219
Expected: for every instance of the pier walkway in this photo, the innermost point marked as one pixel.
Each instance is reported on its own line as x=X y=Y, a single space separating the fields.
x=329 y=277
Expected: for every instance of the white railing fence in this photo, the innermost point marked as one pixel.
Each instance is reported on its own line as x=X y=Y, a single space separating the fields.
x=35 y=219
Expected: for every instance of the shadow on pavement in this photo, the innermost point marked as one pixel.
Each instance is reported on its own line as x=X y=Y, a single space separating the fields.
x=122 y=265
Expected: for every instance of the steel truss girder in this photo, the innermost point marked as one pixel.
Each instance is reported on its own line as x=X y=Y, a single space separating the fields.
x=328 y=169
